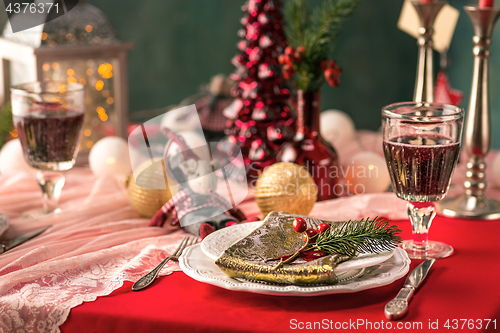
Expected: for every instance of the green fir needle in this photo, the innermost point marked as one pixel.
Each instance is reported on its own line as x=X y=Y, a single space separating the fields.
x=363 y=236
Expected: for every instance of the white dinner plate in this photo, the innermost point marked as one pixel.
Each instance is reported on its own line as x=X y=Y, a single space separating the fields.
x=214 y=245
x=198 y=266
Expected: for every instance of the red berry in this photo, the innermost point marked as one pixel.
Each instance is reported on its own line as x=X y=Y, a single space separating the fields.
x=323 y=227
x=299 y=53
x=311 y=234
x=284 y=59
x=287 y=70
x=312 y=254
x=332 y=75
x=325 y=64
x=289 y=50
x=299 y=225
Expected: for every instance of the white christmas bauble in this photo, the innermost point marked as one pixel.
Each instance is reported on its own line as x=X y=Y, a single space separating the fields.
x=336 y=127
x=12 y=158
x=110 y=156
x=496 y=170
x=366 y=173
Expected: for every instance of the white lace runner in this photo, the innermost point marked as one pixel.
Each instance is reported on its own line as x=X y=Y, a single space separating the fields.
x=96 y=244
x=35 y=300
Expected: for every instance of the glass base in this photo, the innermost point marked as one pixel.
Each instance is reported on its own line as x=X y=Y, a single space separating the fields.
x=36 y=214
x=432 y=250
x=470 y=206
x=54 y=166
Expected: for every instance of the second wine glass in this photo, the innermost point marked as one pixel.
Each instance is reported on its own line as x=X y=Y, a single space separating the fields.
x=421 y=147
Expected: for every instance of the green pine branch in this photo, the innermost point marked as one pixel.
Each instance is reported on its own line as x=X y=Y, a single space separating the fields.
x=296 y=13
x=364 y=236
x=6 y=125
x=317 y=33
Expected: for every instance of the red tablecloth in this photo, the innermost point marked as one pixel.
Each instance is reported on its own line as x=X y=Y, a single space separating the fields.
x=462 y=287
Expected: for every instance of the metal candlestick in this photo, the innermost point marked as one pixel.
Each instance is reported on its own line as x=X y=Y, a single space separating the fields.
x=477 y=138
x=424 y=84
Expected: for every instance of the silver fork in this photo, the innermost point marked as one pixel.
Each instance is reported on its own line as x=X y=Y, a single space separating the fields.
x=147 y=279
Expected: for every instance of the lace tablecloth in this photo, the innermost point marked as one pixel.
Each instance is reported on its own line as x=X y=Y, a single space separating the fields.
x=92 y=247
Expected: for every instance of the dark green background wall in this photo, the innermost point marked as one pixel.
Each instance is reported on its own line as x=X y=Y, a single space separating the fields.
x=181 y=44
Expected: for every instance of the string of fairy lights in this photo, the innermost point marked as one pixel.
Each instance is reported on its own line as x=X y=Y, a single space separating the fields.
x=96 y=76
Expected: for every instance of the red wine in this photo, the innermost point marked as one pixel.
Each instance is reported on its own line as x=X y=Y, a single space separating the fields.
x=421 y=165
x=50 y=138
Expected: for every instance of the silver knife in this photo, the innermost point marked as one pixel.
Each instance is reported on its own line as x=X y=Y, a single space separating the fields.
x=21 y=239
x=398 y=307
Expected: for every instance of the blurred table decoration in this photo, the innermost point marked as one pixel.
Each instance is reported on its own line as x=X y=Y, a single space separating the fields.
x=260 y=119
x=110 y=157
x=285 y=187
x=215 y=97
x=145 y=196
x=365 y=172
x=12 y=159
x=337 y=127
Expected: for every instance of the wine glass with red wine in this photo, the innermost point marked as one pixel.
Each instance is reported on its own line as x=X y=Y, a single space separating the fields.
x=421 y=147
x=48 y=117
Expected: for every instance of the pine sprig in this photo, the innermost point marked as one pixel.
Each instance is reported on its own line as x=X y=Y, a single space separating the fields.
x=317 y=33
x=364 y=236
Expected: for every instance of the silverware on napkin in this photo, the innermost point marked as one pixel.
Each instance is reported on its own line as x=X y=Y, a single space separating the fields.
x=398 y=307
x=21 y=239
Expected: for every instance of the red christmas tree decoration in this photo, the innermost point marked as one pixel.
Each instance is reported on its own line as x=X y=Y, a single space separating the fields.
x=260 y=119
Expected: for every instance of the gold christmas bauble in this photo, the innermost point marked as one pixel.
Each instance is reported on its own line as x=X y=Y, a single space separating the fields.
x=286 y=187
x=144 y=193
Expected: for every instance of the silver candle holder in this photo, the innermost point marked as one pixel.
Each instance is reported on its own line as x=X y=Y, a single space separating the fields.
x=424 y=83
x=477 y=138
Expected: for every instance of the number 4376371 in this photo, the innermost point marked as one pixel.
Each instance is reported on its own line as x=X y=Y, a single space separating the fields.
x=462 y=324
x=26 y=7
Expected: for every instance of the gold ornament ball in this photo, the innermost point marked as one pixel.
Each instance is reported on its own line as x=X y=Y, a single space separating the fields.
x=285 y=187
x=145 y=197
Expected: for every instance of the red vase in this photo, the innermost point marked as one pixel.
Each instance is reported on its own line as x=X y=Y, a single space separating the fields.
x=308 y=148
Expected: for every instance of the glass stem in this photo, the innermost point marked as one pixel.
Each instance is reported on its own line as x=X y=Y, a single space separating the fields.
x=421 y=216
x=51 y=183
